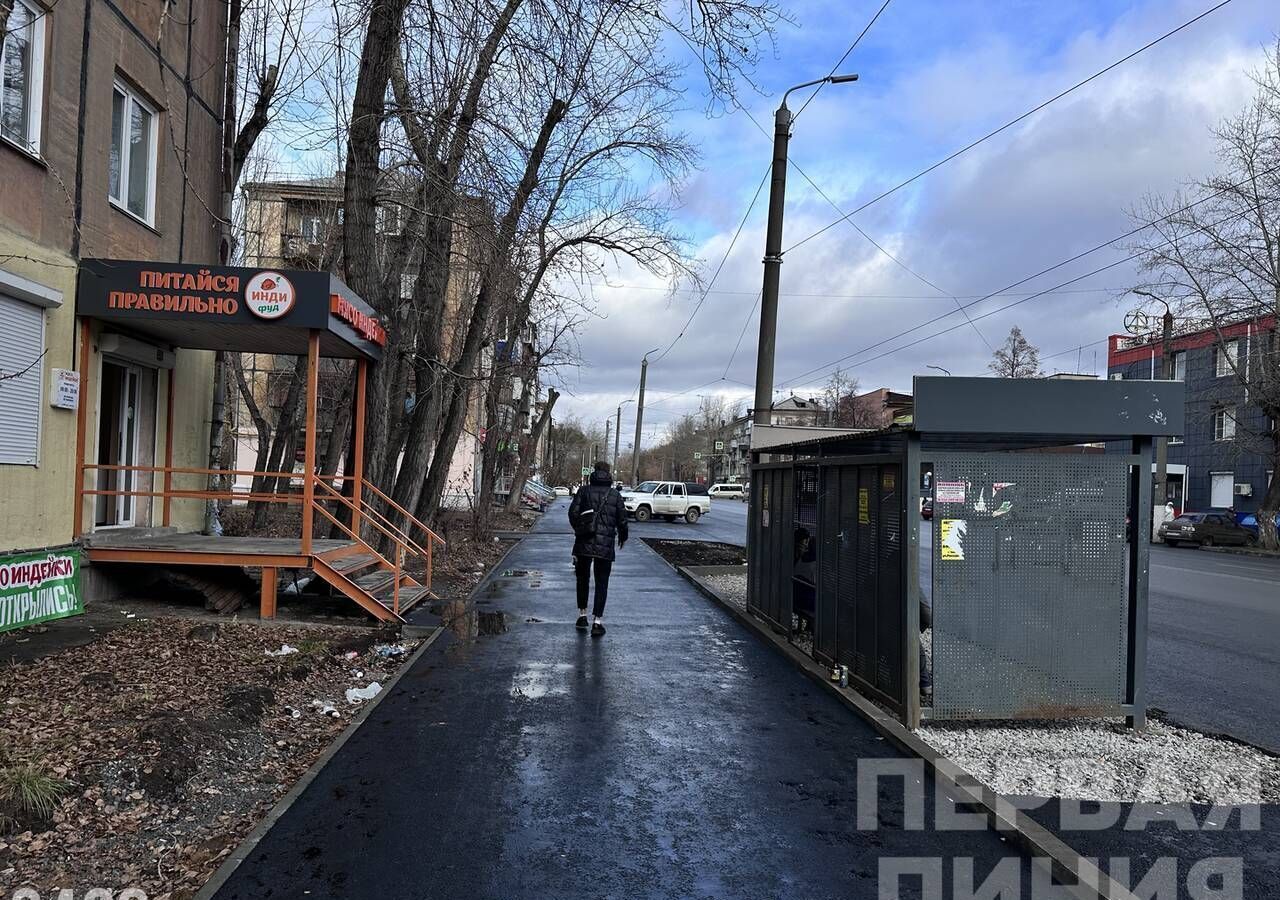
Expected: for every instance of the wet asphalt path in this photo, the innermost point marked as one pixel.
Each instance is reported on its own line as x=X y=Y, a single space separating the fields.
x=678 y=756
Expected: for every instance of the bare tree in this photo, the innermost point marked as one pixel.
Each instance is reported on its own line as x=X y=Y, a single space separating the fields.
x=838 y=396
x=1017 y=358
x=1214 y=255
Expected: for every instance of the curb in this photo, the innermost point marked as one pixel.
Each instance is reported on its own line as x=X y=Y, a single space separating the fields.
x=1241 y=551
x=1083 y=879
x=250 y=843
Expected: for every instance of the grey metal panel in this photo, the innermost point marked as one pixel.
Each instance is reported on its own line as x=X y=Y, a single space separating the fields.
x=1030 y=601
x=1031 y=406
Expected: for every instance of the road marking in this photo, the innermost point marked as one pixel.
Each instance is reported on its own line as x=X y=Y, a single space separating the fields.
x=1222 y=574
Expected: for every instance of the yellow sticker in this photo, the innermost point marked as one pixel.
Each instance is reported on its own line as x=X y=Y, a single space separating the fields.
x=864 y=507
x=952 y=544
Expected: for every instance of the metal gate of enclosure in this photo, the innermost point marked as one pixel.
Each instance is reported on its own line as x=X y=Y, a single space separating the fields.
x=832 y=552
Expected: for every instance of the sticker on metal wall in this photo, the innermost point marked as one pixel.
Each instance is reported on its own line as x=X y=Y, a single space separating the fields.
x=949 y=492
x=864 y=506
x=952 y=544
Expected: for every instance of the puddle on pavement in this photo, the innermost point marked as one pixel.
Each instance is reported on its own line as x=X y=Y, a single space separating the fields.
x=534 y=576
x=468 y=623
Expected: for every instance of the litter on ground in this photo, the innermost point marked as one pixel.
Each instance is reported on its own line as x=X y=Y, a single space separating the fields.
x=359 y=695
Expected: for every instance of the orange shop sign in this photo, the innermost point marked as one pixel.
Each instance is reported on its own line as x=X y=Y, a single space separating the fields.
x=365 y=325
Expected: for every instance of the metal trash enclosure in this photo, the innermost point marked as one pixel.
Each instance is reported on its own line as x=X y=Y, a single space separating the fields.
x=1034 y=565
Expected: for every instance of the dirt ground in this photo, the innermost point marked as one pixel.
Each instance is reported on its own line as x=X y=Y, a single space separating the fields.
x=169 y=740
x=698 y=553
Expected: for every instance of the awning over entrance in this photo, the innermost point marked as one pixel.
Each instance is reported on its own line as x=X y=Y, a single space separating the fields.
x=230 y=308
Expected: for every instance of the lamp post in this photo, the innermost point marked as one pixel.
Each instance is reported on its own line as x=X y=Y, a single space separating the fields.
x=617 y=433
x=940 y=369
x=773 y=252
x=635 y=453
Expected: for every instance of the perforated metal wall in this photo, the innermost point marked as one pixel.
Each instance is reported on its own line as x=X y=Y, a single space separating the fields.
x=1029 y=599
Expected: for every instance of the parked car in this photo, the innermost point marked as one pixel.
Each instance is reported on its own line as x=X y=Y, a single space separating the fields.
x=1205 y=529
x=563 y=491
x=1249 y=522
x=668 y=499
x=728 y=490
x=926 y=508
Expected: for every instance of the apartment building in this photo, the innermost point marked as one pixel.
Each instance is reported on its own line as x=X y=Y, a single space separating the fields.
x=296 y=223
x=110 y=137
x=1222 y=461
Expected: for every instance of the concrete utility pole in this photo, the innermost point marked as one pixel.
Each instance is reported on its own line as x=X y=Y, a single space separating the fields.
x=635 y=451
x=608 y=423
x=617 y=434
x=773 y=252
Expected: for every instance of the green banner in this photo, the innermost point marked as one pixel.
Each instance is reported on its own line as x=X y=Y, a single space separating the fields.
x=37 y=587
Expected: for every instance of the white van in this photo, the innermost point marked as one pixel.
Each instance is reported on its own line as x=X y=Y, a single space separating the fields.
x=728 y=491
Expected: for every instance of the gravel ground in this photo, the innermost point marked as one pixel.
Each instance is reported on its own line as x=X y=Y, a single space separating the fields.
x=1091 y=759
x=732 y=587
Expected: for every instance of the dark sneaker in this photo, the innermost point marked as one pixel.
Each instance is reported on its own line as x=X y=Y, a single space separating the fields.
x=597 y=630
x=581 y=624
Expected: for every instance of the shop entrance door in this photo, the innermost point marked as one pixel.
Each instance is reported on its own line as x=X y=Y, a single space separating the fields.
x=118 y=418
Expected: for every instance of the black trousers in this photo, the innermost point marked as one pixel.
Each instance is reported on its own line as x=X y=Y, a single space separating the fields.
x=582 y=566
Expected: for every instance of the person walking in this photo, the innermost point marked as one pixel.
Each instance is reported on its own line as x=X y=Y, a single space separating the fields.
x=597 y=517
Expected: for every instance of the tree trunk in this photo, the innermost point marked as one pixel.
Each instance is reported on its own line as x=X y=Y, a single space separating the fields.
x=455 y=392
x=1267 y=532
x=286 y=427
x=529 y=443
x=260 y=423
x=359 y=233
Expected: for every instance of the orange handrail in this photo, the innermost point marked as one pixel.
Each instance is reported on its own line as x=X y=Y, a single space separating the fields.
x=347 y=502
x=336 y=521
x=404 y=512
x=179 y=470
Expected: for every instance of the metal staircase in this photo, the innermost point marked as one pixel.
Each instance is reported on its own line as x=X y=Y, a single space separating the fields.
x=380 y=582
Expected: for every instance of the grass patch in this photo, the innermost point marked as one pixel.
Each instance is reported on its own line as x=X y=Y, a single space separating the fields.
x=28 y=795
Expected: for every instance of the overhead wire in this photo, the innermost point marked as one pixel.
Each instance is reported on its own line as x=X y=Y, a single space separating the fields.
x=1007 y=125
x=1094 y=249
x=840 y=61
x=1001 y=309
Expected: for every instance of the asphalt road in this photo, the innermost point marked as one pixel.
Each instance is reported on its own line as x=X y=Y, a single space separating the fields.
x=1213 y=648
x=677 y=756
x=1213 y=651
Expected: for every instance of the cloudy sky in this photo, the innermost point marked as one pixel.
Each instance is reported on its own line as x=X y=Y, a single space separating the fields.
x=933 y=77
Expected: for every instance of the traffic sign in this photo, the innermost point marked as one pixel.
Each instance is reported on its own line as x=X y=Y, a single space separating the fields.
x=585 y=471
x=719 y=446
x=697 y=455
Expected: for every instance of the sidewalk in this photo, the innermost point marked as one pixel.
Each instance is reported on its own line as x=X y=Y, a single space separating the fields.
x=678 y=756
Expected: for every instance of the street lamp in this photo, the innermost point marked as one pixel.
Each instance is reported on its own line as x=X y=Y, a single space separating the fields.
x=940 y=369
x=617 y=433
x=635 y=453
x=773 y=251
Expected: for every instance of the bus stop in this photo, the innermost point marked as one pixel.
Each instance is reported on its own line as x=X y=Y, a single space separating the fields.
x=1034 y=564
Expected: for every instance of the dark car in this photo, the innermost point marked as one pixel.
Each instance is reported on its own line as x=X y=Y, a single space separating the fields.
x=926 y=508
x=1205 y=529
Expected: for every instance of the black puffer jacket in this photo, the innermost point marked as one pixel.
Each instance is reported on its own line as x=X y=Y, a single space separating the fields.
x=610 y=521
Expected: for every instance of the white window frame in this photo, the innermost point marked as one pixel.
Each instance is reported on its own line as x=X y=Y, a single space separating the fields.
x=35 y=100
x=1220 y=416
x=126 y=155
x=1180 y=358
x=312 y=228
x=1223 y=356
